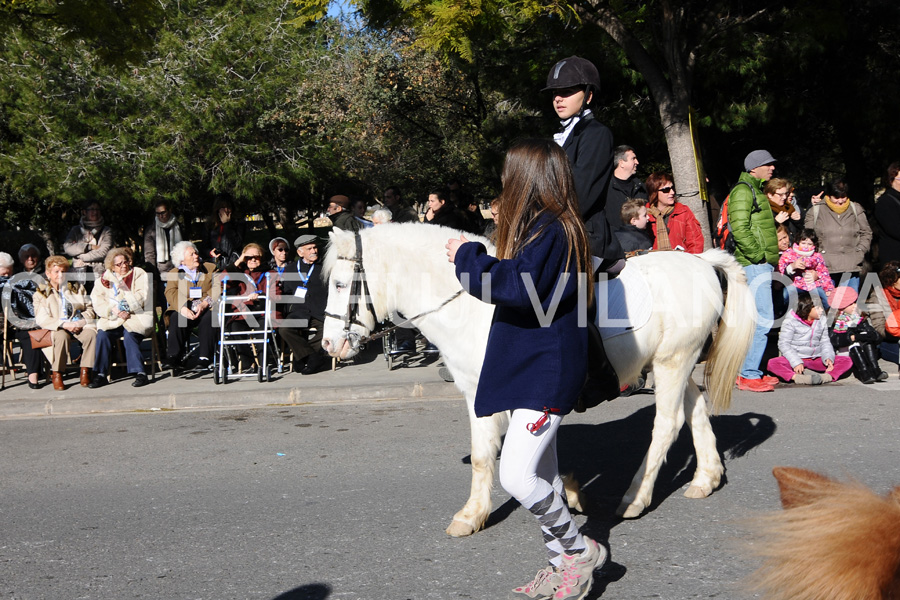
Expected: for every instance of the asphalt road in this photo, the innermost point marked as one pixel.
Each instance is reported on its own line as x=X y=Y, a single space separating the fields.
x=327 y=502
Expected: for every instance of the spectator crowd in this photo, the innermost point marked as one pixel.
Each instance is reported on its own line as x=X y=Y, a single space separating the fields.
x=78 y=310
x=806 y=263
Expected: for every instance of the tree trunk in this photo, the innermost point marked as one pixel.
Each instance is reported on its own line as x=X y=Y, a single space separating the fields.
x=671 y=93
x=684 y=169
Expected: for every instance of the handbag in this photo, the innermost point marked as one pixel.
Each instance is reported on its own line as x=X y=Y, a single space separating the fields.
x=40 y=338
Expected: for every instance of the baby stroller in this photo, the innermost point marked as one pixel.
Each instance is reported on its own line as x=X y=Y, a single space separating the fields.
x=225 y=360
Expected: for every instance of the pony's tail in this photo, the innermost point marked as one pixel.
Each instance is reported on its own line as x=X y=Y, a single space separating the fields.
x=834 y=540
x=735 y=334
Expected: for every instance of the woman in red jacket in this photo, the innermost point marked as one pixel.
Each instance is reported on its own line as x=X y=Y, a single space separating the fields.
x=681 y=230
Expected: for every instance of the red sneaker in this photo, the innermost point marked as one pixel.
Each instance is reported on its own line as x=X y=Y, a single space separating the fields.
x=771 y=380
x=754 y=385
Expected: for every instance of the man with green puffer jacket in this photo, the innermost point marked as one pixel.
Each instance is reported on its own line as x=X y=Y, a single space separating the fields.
x=756 y=248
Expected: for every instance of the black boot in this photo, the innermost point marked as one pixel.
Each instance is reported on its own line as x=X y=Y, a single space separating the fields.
x=871 y=353
x=315 y=363
x=861 y=367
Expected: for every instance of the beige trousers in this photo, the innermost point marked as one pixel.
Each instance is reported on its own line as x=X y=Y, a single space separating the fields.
x=61 y=339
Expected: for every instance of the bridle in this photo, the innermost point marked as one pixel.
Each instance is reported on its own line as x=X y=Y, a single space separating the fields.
x=352 y=315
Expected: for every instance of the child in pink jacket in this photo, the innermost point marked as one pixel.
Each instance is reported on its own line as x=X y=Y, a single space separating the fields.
x=807 y=266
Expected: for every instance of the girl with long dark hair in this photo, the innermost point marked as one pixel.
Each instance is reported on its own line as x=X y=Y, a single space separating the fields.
x=535 y=362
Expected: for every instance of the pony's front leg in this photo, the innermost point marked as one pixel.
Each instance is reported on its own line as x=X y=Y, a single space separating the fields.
x=709 y=466
x=486 y=432
x=666 y=424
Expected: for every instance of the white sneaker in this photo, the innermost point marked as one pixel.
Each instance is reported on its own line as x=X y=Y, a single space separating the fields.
x=541 y=587
x=577 y=571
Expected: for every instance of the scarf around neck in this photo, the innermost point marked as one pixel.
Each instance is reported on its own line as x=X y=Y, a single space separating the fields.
x=662 y=229
x=777 y=208
x=839 y=209
x=92 y=227
x=162 y=244
x=126 y=281
x=804 y=253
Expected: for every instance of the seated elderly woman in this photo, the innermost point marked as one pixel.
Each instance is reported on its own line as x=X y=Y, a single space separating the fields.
x=6 y=265
x=123 y=307
x=20 y=292
x=64 y=308
x=30 y=257
x=191 y=289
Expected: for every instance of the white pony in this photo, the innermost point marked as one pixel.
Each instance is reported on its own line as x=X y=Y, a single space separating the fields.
x=404 y=268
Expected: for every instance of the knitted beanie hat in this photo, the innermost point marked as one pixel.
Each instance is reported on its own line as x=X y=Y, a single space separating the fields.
x=842 y=297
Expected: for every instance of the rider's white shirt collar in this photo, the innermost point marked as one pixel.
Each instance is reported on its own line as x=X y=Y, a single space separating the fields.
x=568 y=125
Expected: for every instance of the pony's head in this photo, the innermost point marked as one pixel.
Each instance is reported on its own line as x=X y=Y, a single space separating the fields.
x=349 y=316
x=833 y=540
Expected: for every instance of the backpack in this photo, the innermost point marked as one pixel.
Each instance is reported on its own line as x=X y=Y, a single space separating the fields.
x=723 y=239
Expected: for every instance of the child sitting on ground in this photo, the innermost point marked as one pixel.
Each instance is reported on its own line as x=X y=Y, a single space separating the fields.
x=805 y=346
x=635 y=236
x=854 y=335
x=807 y=266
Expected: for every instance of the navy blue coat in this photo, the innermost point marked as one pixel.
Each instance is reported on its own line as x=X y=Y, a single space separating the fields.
x=527 y=365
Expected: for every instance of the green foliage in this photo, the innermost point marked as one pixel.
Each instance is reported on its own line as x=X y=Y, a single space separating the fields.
x=117 y=33
x=186 y=124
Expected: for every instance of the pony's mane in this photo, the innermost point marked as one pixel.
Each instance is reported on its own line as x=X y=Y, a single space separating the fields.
x=834 y=541
x=407 y=238
x=411 y=247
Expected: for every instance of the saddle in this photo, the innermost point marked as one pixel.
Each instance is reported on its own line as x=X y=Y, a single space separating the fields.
x=602 y=382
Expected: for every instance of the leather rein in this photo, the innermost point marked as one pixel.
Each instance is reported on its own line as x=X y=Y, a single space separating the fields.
x=353 y=312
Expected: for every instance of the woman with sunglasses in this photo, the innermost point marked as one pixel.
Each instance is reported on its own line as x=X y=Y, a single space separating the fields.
x=680 y=229
x=247 y=277
x=121 y=303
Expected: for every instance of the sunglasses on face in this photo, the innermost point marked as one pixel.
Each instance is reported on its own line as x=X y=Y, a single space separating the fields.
x=667 y=189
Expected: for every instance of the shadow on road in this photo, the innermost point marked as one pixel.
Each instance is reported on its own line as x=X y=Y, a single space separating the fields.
x=605 y=457
x=312 y=591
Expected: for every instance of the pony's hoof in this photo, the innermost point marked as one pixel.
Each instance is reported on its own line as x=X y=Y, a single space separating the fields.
x=574 y=498
x=696 y=491
x=460 y=529
x=630 y=511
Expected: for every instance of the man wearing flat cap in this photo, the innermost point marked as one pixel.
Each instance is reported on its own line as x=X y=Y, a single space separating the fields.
x=756 y=249
x=340 y=215
x=305 y=314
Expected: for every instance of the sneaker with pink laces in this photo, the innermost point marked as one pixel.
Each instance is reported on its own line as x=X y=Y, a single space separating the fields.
x=577 y=571
x=541 y=588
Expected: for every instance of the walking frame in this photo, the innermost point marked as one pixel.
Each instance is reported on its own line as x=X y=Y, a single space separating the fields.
x=224 y=364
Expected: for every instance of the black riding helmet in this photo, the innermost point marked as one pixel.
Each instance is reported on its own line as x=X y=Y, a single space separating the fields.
x=574 y=71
